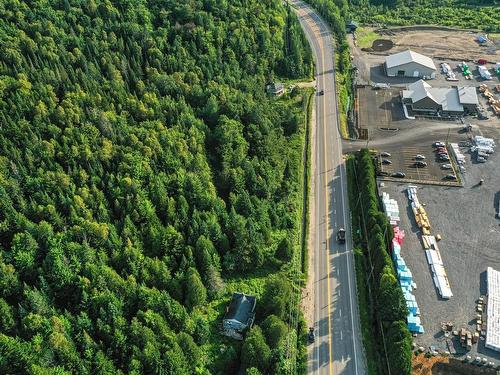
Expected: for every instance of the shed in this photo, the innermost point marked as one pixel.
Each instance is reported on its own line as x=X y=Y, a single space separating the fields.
x=409 y=64
x=351 y=26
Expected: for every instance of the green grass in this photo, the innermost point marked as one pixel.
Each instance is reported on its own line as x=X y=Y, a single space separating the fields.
x=365 y=37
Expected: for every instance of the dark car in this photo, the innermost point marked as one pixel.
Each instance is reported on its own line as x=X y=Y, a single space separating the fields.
x=398 y=174
x=450 y=177
x=310 y=335
x=444 y=158
x=341 y=235
x=322 y=92
x=420 y=164
x=386 y=161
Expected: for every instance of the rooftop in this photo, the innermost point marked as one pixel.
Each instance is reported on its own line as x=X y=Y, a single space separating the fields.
x=241 y=308
x=409 y=56
x=493 y=310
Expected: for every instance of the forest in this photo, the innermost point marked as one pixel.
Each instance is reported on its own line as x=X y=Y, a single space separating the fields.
x=471 y=14
x=145 y=175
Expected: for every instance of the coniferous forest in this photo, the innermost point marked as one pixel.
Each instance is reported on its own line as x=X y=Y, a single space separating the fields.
x=145 y=175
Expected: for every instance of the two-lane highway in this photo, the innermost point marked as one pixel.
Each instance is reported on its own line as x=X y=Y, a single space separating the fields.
x=338 y=347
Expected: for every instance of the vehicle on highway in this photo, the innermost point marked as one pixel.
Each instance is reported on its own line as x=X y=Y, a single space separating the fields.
x=446 y=166
x=450 y=177
x=310 y=335
x=385 y=154
x=398 y=175
x=386 y=161
x=438 y=144
x=420 y=164
x=341 y=235
x=419 y=157
x=322 y=92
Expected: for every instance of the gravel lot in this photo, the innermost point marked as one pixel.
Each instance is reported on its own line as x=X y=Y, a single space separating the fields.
x=465 y=218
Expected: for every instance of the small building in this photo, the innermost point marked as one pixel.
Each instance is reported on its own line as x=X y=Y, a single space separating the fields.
x=409 y=64
x=240 y=315
x=423 y=99
x=275 y=88
x=351 y=26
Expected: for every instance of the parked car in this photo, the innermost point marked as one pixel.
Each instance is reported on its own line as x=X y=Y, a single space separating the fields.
x=482 y=115
x=322 y=92
x=310 y=336
x=446 y=166
x=419 y=157
x=398 y=174
x=441 y=153
x=450 y=177
x=480 y=159
x=386 y=161
x=443 y=157
x=420 y=164
x=438 y=144
x=385 y=154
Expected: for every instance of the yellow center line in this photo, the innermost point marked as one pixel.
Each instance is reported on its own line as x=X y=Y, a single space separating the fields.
x=326 y=207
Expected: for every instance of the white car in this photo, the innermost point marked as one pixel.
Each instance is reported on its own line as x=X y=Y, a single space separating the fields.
x=446 y=166
x=438 y=144
x=420 y=157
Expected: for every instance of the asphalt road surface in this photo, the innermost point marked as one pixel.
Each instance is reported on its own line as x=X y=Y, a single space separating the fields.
x=338 y=347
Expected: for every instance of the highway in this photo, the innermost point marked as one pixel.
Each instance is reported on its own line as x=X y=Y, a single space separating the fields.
x=338 y=346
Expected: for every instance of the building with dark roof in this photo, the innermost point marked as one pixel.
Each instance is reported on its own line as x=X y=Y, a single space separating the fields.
x=240 y=315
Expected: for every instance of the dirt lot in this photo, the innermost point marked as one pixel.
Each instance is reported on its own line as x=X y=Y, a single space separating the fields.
x=465 y=218
x=449 y=46
x=446 y=366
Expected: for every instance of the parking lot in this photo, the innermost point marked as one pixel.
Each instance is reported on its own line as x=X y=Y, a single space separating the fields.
x=379 y=109
x=465 y=218
x=404 y=160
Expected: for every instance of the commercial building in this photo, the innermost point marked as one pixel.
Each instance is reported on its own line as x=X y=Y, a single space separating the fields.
x=422 y=99
x=409 y=64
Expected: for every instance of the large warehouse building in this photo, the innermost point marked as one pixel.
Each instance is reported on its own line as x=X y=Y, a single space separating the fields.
x=422 y=99
x=410 y=64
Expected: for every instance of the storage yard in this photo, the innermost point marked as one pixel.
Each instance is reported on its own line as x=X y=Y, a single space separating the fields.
x=446 y=239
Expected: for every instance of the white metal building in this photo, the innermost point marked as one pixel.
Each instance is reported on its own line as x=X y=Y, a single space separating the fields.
x=410 y=64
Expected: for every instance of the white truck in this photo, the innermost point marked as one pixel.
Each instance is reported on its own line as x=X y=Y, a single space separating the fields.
x=484 y=72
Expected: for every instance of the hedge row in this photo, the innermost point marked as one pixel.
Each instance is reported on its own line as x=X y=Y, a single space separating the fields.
x=386 y=310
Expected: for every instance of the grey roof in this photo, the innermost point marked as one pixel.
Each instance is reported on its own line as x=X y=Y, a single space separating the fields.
x=241 y=308
x=409 y=56
x=417 y=91
x=468 y=95
x=275 y=87
x=447 y=97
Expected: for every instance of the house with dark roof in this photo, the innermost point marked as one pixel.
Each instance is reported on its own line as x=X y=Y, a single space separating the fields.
x=351 y=26
x=240 y=315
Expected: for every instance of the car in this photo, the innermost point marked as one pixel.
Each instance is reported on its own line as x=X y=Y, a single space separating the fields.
x=482 y=115
x=446 y=166
x=310 y=335
x=420 y=164
x=443 y=157
x=386 y=161
x=385 y=154
x=438 y=144
x=321 y=92
x=341 y=235
x=450 y=177
x=441 y=154
x=398 y=175
x=419 y=157
x=480 y=159
x=440 y=149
